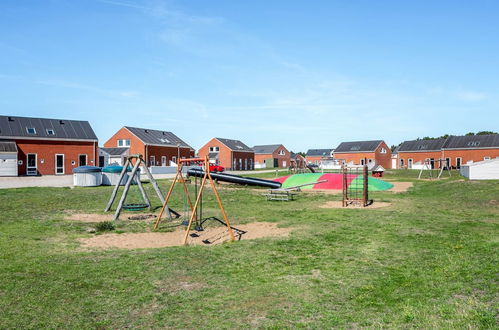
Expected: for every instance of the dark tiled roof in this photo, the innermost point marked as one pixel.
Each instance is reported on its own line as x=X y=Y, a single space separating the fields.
x=472 y=142
x=319 y=152
x=421 y=145
x=152 y=136
x=17 y=127
x=266 y=149
x=8 y=146
x=235 y=145
x=358 y=146
x=115 y=151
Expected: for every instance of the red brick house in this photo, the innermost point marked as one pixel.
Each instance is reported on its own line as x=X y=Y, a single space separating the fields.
x=358 y=151
x=411 y=153
x=158 y=148
x=39 y=146
x=298 y=160
x=231 y=154
x=271 y=156
x=315 y=156
x=455 y=150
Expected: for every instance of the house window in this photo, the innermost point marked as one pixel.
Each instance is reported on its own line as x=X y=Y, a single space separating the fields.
x=382 y=150
x=31 y=130
x=281 y=152
x=361 y=162
x=163 y=160
x=124 y=143
x=174 y=159
x=486 y=158
x=50 y=131
x=409 y=163
x=82 y=160
x=401 y=163
x=214 y=149
x=458 y=162
x=448 y=162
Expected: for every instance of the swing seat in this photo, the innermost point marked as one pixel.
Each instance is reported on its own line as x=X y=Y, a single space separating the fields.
x=135 y=206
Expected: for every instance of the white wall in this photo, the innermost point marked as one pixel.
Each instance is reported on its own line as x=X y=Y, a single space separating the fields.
x=484 y=170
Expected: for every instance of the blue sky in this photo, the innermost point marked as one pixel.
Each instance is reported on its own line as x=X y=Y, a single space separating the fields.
x=308 y=74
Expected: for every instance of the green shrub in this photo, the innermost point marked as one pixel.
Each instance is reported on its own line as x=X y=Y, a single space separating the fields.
x=104 y=226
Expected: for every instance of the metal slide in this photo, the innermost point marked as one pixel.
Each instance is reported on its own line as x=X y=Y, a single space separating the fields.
x=236 y=179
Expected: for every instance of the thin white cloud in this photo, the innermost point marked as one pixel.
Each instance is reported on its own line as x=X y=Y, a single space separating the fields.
x=471 y=96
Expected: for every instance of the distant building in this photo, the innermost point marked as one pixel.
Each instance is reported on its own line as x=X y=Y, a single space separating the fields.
x=314 y=156
x=271 y=156
x=39 y=146
x=358 y=152
x=158 y=148
x=231 y=154
x=455 y=151
x=112 y=156
x=298 y=160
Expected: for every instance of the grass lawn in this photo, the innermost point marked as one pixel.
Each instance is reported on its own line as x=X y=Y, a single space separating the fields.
x=429 y=260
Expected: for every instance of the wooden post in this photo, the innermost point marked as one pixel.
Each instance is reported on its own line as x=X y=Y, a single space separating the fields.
x=226 y=219
x=125 y=192
x=155 y=186
x=117 y=186
x=193 y=213
x=143 y=192
x=365 y=189
x=158 y=220
x=344 y=185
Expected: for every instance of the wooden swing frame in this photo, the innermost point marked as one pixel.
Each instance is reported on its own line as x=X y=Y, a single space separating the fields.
x=129 y=162
x=206 y=177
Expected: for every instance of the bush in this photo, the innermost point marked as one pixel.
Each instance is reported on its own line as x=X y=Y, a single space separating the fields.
x=104 y=226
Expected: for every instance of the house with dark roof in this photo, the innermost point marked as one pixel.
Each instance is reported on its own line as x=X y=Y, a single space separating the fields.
x=229 y=153
x=417 y=152
x=159 y=148
x=297 y=160
x=112 y=156
x=315 y=156
x=362 y=152
x=468 y=149
x=41 y=146
x=454 y=151
x=271 y=156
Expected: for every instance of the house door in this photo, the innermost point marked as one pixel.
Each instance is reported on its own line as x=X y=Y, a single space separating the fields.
x=284 y=163
x=152 y=160
x=82 y=159
x=458 y=163
x=59 y=164
x=31 y=164
x=163 y=160
x=432 y=163
x=409 y=163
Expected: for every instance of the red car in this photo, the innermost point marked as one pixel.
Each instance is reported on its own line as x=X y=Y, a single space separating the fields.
x=216 y=168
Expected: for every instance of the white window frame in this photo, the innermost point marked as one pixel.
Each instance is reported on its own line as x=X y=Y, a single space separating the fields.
x=382 y=150
x=282 y=152
x=86 y=159
x=214 y=149
x=123 y=143
x=486 y=158
x=401 y=162
x=152 y=160
x=174 y=159
x=55 y=165
x=410 y=162
x=28 y=128
x=459 y=162
x=28 y=167
x=164 y=159
x=50 y=131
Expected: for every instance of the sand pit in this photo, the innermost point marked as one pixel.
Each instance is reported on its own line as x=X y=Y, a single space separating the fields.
x=95 y=217
x=399 y=187
x=339 y=205
x=215 y=235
